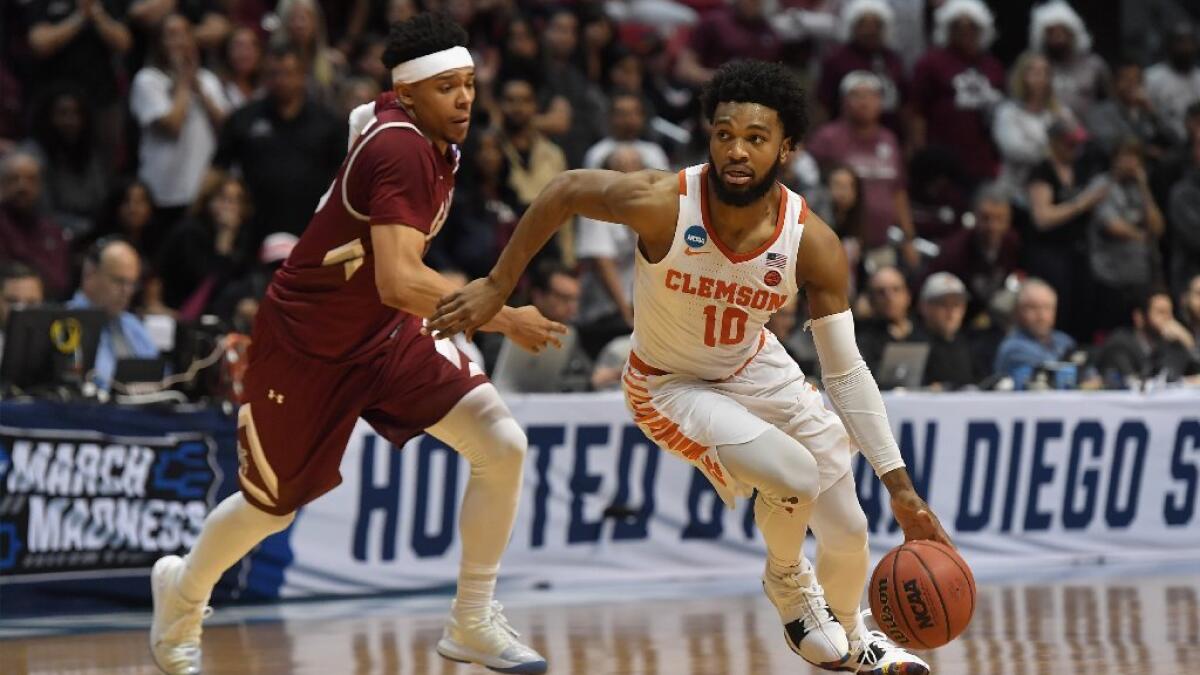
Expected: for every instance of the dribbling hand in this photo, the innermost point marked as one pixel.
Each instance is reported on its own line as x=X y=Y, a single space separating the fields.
x=917 y=519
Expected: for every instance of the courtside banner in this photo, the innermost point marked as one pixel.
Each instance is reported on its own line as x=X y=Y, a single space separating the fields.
x=1067 y=477
x=83 y=504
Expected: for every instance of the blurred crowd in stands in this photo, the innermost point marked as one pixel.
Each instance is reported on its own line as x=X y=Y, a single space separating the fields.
x=1010 y=190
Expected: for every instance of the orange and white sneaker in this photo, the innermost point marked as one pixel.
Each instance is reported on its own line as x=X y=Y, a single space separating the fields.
x=175 y=631
x=489 y=641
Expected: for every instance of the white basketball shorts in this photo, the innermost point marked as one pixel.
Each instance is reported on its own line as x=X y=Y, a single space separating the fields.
x=691 y=417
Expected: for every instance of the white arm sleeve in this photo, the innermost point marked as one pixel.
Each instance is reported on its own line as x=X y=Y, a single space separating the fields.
x=853 y=391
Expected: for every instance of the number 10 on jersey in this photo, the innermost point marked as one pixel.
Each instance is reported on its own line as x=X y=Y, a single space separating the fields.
x=733 y=326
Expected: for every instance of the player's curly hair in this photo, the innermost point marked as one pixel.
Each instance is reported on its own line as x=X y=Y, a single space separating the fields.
x=421 y=35
x=768 y=84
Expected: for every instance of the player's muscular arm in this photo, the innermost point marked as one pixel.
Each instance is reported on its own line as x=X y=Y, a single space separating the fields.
x=408 y=284
x=645 y=201
x=823 y=273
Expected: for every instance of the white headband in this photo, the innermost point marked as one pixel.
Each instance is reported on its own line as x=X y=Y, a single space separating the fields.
x=425 y=67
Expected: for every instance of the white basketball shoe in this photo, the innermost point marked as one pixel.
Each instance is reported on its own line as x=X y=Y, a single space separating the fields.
x=872 y=653
x=809 y=628
x=489 y=641
x=175 y=632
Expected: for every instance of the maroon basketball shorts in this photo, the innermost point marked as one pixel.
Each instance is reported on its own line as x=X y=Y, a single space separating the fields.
x=299 y=412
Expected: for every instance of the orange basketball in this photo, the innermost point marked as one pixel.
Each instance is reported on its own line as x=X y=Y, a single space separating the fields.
x=922 y=594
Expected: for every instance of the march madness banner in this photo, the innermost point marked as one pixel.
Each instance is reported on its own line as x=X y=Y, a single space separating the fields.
x=81 y=503
x=1065 y=476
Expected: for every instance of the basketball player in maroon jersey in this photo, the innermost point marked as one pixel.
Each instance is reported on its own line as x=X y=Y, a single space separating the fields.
x=338 y=337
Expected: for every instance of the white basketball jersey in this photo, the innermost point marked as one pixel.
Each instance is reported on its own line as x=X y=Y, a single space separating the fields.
x=701 y=310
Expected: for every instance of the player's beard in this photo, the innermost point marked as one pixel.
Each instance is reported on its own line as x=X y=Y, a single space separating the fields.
x=747 y=195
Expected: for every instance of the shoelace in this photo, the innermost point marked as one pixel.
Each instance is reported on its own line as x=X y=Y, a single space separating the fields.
x=811 y=597
x=186 y=629
x=501 y=621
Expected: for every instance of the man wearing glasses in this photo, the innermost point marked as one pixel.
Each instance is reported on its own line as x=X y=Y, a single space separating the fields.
x=111 y=274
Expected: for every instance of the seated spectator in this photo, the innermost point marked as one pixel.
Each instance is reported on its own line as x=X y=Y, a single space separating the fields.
x=1156 y=346
x=610 y=364
x=484 y=213
x=1189 y=312
x=111 y=276
x=555 y=293
x=237 y=304
x=867 y=45
x=1081 y=77
x=840 y=204
x=860 y=141
x=241 y=67
x=1021 y=123
x=128 y=212
x=74 y=176
x=1184 y=216
x=626 y=123
x=286 y=146
x=1128 y=114
x=890 y=321
x=984 y=255
x=607 y=251
x=1062 y=197
x=179 y=107
x=208 y=250
x=1033 y=341
x=738 y=31
x=956 y=85
x=27 y=234
x=1174 y=84
x=534 y=160
x=20 y=287
x=1124 y=237
x=943 y=307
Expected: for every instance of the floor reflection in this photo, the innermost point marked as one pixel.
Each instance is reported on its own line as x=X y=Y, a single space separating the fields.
x=1122 y=626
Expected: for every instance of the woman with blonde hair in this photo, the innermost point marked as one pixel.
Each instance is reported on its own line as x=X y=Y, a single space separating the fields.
x=1021 y=122
x=302 y=26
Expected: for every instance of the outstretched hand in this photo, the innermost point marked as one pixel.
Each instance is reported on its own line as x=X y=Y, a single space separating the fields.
x=466 y=309
x=917 y=519
x=531 y=331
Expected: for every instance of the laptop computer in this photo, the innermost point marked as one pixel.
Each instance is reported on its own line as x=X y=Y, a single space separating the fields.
x=49 y=346
x=902 y=365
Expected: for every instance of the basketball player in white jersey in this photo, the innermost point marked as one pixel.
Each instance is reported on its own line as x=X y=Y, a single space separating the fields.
x=721 y=247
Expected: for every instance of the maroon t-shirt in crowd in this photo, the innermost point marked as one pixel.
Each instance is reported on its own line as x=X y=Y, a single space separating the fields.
x=723 y=36
x=323 y=302
x=955 y=94
x=879 y=164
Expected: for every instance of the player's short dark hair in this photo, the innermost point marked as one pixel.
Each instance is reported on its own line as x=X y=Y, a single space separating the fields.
x=767 y=84
x=421 y=35
x=14 y=269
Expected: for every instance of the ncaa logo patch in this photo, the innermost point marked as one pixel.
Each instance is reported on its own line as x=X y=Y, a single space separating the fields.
x=773 y=278
x=696 y=236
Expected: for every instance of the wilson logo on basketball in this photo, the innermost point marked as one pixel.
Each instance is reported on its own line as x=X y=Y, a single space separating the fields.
x=773 y=278
x=916 y=603
x=886 y=617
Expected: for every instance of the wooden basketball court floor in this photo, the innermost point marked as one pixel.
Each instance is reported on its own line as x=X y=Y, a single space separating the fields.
x=1103 y=620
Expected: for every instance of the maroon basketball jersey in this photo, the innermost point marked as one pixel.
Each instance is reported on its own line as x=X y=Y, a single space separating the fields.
x=323 y=301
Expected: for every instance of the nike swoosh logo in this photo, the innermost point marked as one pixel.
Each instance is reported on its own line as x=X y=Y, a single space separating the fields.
x=688 y=251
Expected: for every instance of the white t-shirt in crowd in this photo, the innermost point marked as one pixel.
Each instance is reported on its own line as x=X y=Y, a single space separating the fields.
x=173 y=166
x=600 y=239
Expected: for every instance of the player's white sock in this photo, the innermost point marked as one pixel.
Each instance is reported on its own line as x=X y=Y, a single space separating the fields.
x=232 y=529
x=481 y=429
x=843 y=557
